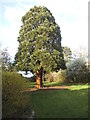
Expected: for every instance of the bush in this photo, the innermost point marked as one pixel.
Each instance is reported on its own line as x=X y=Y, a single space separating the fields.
x=51 y=77
x=14 y=100
x=56 y=76
x=62 y=75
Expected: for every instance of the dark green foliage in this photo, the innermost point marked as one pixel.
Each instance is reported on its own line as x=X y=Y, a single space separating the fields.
x=67 y=54
x=39 y=40
x=14 y=101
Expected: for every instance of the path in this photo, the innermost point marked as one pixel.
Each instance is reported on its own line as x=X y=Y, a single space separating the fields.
x=48 y=88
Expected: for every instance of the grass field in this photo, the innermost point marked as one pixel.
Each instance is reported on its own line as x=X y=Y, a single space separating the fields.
x=71 y=103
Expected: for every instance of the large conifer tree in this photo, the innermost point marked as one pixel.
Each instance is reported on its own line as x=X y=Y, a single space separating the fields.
x=39 y=43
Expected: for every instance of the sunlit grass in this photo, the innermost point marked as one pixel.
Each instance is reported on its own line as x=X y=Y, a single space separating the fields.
x=48 y=84
x=71 y=103
x=79 y=87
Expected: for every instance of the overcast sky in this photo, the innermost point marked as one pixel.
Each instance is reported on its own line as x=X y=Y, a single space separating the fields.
x=70 y=15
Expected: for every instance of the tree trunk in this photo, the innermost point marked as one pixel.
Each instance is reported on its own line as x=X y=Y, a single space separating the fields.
x=39 y=83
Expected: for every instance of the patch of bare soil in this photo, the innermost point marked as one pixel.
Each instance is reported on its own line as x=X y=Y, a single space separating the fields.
x=48 y=88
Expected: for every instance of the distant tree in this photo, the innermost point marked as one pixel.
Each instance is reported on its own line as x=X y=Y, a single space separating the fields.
x=81 y=53
x=77 y=71
x=6 y=60
x=67 y=54
x=0 y=58
x=0 y=67
x=39 y=44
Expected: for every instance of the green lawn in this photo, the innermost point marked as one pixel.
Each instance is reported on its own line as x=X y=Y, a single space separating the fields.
x=71 y=103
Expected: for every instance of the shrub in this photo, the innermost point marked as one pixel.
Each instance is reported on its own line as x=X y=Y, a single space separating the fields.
x=56 y=76
x=51 y=77
x=14 y=101
x=62 y=75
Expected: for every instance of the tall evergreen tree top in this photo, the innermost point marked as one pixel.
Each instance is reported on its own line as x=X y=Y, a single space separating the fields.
x=39 y=40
